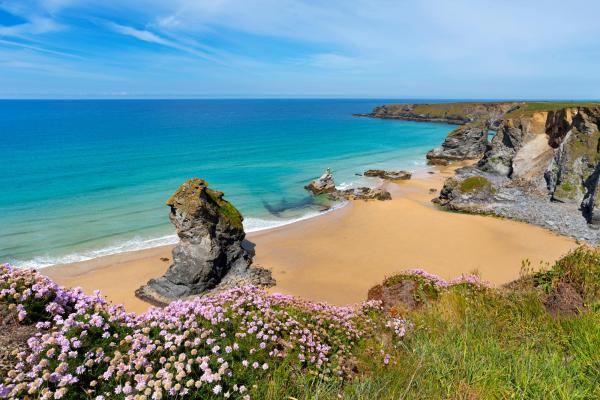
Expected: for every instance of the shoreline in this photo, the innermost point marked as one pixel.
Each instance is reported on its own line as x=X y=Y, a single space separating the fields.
x=171 y=239
x=340 y=255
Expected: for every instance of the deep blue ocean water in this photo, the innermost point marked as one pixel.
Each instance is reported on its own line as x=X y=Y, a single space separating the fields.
x=85 y=178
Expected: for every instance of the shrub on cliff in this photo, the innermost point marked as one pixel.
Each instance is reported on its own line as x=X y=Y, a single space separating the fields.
x=580 y=269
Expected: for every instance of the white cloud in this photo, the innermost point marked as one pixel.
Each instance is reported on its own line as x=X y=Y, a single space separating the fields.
x=36 y=25
x=151 y=37
x=37 y=48
x=146 y=36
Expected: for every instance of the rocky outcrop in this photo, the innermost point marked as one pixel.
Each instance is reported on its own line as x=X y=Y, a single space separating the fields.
x=591 y=202
x=467 y=142
x=451 y=113
x=557 y=150
x=544 y=165
x=388 y=175
x=466 y=193
x=324 y=184
x=361 y=193
x=525 y=132
x=210 y=248
x=400 y=295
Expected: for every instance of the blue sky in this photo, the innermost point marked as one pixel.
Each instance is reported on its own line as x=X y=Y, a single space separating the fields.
x=291 y=48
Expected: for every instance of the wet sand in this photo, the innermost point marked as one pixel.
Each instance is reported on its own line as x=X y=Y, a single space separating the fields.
x=337 y=257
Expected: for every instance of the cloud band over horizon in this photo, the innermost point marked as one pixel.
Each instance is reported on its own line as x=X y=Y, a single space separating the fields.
x=293 y=48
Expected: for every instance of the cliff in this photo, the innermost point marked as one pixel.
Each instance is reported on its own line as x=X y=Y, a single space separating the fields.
x=557 y=149
x=464 y=143
x=544 y=164
x=450 y=113
x=467 y=142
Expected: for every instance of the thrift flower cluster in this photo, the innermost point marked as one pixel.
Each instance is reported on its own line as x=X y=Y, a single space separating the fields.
x=399 y=326
x=36 y=297
x=210 y=347
x=440 y=283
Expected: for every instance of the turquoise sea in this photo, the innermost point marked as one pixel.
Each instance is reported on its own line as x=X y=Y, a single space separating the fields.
x=85 y=178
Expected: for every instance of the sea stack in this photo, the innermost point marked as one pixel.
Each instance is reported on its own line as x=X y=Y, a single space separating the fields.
x=324 y=184
x=211 y=233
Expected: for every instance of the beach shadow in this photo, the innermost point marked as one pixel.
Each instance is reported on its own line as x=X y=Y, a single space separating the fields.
x=277 y=209
x=250 y=247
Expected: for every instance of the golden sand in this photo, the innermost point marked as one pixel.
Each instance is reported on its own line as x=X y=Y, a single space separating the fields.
x=337 y=257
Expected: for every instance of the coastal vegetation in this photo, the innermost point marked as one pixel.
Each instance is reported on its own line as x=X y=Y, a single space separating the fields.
x=473 y=183
x=529 y=107
x=464 y=340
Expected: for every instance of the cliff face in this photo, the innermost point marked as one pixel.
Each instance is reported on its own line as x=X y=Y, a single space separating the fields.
x=544 y=167
x=464 y=143
x=467 y=142
x=543 y=155
x=558 y=150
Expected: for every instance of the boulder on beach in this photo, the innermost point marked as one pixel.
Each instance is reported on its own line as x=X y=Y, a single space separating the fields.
x=211 y=234
x=324 y=184
x=361 y=193
x=388 y=175
x=466 y=194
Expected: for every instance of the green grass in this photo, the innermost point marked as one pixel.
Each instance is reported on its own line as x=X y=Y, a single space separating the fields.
x=187 y=198
x=471 y=346
x=226 y=208
x=474 y=183
x=492 y=344
x=531 y=107
x=581 y=269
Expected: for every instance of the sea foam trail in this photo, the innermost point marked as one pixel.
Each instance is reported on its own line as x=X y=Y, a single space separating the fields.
x=250 y=225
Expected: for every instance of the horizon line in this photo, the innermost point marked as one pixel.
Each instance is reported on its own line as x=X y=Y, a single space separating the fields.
x=464 y=99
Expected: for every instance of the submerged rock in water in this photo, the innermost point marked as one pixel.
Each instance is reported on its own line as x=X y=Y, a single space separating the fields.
x=388 y=175
x=211 y=234
x=324 y=184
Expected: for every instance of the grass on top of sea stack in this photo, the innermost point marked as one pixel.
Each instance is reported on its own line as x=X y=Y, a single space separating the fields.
x=467 y=343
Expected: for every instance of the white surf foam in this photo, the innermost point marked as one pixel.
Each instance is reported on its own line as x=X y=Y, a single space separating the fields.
x=134 y=244
x=250 y=225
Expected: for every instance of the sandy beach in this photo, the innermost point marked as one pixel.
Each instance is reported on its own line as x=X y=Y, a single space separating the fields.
x=337 y=257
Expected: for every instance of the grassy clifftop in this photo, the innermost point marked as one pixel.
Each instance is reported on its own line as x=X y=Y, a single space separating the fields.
x=530 y=107
x=465 y=112
x=462 y=340
x=453 y=113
